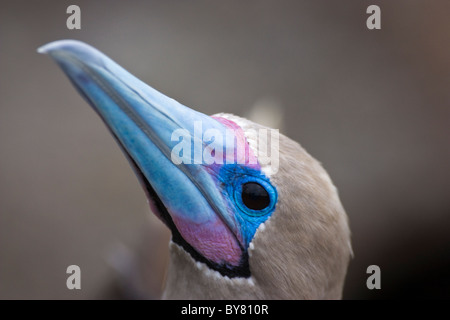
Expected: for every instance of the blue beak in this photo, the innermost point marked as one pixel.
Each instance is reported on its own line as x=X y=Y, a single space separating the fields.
x=184 y=195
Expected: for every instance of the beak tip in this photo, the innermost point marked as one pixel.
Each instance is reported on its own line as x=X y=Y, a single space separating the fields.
x=43 y=49
x=59 y=45
x=65 y=46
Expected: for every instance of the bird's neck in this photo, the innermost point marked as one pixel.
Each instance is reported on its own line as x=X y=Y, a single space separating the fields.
x=189 y=279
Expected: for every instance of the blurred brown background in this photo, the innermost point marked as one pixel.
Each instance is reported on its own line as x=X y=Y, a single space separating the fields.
x=372 y=106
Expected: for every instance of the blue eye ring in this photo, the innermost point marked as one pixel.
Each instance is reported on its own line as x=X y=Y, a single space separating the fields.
x=271 y=191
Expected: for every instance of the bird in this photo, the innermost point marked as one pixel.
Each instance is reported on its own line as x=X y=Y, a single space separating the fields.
x=241 y=227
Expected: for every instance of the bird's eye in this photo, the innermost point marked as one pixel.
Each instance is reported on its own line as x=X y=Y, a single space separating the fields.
x=254 y=196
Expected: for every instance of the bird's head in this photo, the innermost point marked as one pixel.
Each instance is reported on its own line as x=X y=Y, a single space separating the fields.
x=244 y=225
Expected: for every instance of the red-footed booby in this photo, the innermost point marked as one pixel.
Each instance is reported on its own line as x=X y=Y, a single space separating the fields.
x=242 y=228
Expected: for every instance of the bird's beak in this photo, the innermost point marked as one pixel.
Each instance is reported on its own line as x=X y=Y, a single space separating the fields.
x=144 y=121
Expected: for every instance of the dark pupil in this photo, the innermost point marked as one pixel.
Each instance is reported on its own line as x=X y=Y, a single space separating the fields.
x=255 y=196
